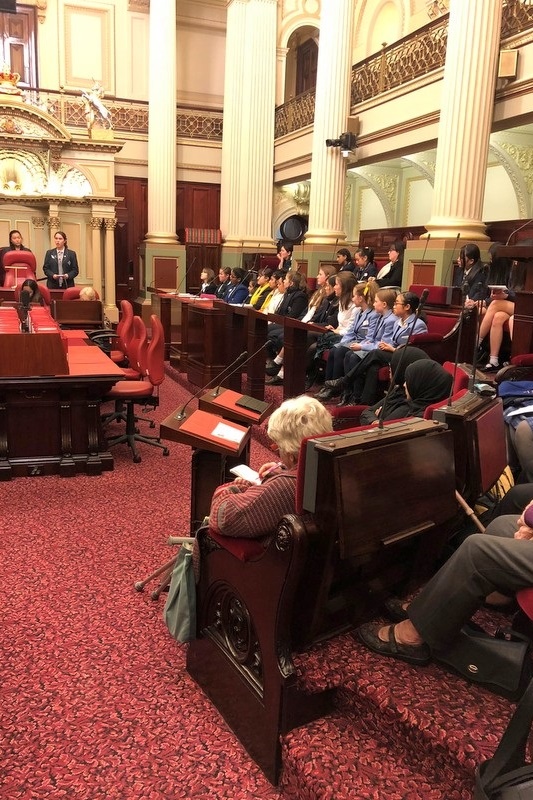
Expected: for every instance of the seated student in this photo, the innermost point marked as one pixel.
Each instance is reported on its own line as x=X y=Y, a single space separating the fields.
x=316 y=313
x=364 y=264
x=472 y=272
x=401 y=359
x=426 y=382
x=277 y=284
x=294 y=305
x=317 y=346
x=364 y=322
x=364 y=379
x=207 y=281
x=247 y=510
x=392 y=273
x=344 y=260
x=238 y=290
x=223 y=283
x=263 y=289
x=286 y=261
x=87 y=293
x=357 y=351
x=30 y=294
x=499 y=560
x=498 y=308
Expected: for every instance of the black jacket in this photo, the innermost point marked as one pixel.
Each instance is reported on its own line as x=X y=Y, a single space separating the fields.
x=294 y=304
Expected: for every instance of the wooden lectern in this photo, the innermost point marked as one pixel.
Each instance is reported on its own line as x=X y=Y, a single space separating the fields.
x=523 y=316
x=217 y=445
x=226 y=403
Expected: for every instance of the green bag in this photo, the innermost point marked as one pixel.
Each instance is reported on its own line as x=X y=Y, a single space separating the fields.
x=180 y=609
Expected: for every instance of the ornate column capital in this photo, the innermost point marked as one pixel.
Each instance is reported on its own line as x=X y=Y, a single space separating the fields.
x=38 y=222
x=110 y=223
x=96 y=222
x=54 y=222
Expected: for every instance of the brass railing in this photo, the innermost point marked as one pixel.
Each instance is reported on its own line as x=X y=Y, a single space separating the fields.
x=410 y=58
x=127 y=116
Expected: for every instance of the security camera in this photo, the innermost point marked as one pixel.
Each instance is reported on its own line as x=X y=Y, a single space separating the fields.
x=333 y=143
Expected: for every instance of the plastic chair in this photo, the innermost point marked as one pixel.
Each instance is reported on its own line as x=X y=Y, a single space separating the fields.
x=145 y=391
x=19 y=266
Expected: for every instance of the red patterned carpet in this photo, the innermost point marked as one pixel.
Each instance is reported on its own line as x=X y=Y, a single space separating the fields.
x=96 y=702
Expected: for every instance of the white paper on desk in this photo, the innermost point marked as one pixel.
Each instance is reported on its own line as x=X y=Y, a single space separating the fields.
x=224 y=431
x=518 y=411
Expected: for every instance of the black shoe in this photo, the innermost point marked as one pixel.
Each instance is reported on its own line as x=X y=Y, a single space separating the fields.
x=368 y=634
x=394 y=609
x=336 y=383
x=324 y=394
x=274 y=381
x=273 y=370
x=490 y=367
x=347 y=399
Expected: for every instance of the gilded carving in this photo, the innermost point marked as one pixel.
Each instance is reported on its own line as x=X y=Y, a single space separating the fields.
x=110 y=223
x=523 y=158
x=96 y=223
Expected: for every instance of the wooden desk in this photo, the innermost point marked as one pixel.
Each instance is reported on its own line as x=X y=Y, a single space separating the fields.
x=224 y=403
x=207 y=353
x=50 y=424
x=295 y=343
x=78 y=313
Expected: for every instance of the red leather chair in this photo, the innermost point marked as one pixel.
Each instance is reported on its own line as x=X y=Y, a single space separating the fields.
x=144 y=391
x=19 y=266
x=133 y=372
x=115 y=343
x=348 y=416
x=73 y=293
x=44 y=290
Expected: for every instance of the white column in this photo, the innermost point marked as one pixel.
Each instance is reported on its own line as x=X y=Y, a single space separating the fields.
x=332 y=107
x=110 y=223
x=248 y=138
x=162 y=124
x=465 y=119
x=96 y=241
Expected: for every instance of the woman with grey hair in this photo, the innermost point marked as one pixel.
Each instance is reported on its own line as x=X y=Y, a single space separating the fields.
x=247 y=510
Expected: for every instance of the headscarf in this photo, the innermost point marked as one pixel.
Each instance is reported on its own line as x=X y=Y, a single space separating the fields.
x=427 y=383
x=396 y=405
x=403 y=357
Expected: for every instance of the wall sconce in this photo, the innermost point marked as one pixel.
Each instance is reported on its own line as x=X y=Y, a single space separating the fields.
x=347 y=142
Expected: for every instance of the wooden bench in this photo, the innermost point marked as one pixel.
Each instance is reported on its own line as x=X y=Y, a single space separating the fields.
x=363 y=530
x=86 y=314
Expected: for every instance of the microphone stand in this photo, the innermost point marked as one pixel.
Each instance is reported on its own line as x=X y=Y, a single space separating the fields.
x=224 y=374
x=423 y=300
x=241 y=361
x=517 y=230
x=185 y=276
x=459 y=334
x=451 y=259
x=472 y=379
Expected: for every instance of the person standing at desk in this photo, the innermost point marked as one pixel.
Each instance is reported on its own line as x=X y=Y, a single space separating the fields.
x=15 y=243
x=60 y=264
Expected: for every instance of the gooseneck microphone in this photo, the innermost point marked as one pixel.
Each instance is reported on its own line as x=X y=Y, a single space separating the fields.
x=191 y=265
x=452 y=260
x=237 y=362
x=241 y=364
x=517 y=230
x=423 y=300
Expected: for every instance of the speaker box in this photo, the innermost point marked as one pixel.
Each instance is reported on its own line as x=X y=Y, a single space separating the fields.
x=8 y=5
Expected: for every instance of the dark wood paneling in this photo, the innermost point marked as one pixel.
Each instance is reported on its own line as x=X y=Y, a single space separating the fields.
x=132 y=224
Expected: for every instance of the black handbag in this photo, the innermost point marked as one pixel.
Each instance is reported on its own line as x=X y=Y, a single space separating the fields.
x=506 y=776
x=500 y=663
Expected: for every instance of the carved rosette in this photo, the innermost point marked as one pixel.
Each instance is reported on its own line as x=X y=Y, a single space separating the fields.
x=231 y=625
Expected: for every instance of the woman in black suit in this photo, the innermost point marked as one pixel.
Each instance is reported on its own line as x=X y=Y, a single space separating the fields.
x=60 y=264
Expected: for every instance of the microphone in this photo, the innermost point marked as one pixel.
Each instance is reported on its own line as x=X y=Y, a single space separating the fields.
x=425 y=250
x=472 y=379
x=247 y=360
x=185 y=276
x=229 y=370
x=451 y=259
x=423 y=300
x=517 y=230
x=464 y=292
x=335 y=249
